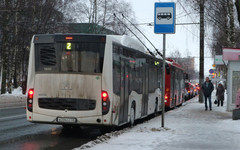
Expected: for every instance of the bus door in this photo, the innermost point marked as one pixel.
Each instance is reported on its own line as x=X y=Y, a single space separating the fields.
x=145 y=90
x=179 y=87
x=124 y=95
x=172 y=86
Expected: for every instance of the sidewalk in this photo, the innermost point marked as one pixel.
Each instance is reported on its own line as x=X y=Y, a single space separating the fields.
x=186 y=128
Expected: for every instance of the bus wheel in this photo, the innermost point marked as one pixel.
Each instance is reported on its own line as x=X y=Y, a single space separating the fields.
x=132 y=115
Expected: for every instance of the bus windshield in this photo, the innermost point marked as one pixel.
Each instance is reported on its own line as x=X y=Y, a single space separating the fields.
x=69 y=57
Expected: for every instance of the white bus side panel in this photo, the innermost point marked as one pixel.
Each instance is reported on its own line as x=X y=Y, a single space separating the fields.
x=107 y=81
x=153 y=98
x=134 y=96
x=31 y=74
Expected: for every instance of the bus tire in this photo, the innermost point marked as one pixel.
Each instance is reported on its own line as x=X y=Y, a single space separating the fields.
x=132 y=115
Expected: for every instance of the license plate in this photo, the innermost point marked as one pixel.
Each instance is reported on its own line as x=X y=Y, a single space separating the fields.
x=66 y=120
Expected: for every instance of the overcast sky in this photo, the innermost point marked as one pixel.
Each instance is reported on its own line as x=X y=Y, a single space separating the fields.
x=186 y=38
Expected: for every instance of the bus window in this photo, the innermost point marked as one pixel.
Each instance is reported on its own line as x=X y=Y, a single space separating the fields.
x=68 y=61
x=46 y=57
x=74 y=57
x=167 y=69
x=84 y=57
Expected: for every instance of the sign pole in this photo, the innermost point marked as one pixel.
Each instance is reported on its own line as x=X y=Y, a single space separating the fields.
x=163 y=79
x=164 y=23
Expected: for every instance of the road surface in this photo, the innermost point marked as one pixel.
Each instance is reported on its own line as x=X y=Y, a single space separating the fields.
x=17 y=133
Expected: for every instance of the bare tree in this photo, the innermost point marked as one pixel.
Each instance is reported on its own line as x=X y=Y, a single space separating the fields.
x=176 y=55
x=219 y=14
x=237 y=4
x=101 y=12
x=19 y=20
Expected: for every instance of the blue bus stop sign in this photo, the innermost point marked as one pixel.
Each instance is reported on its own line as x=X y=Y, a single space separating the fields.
x=164 y=18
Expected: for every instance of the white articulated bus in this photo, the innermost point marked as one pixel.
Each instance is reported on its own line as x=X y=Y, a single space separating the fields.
x=87 y=79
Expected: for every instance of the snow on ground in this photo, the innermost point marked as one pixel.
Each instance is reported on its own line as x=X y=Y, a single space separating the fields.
x=186 y=128
x=14 y=99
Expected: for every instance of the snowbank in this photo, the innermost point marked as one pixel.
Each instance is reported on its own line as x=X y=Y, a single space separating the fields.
x=14 y=99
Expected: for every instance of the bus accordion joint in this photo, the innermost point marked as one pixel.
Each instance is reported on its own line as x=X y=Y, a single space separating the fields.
x=30 y=100
x=105 y=102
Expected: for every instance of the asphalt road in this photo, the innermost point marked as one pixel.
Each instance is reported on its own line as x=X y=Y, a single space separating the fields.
x=16 y=133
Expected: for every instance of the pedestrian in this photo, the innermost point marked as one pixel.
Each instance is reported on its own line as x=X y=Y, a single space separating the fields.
x=207 y=88
x=220 y=94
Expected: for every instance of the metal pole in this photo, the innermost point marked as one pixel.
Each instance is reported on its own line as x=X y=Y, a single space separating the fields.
x=163 y=79
x=201 y=58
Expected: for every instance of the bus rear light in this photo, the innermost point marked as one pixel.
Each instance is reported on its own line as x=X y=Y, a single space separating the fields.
x=104 y=95
x=30 y=93
x=30 y=99
x=166 y=97
x=68 y=38
x=105 y=102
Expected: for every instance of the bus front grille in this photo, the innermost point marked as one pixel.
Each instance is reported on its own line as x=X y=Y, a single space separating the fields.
x=66 y=103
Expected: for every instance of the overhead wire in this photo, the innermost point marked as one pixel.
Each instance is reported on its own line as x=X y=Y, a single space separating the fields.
x=133 y=34
x=189 y=14
x=143 y=35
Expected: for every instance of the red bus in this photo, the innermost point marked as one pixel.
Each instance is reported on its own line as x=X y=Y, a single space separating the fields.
x=174 y=84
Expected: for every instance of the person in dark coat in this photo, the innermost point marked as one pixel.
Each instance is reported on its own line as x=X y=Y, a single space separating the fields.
x=220 y=94
x=207 y=88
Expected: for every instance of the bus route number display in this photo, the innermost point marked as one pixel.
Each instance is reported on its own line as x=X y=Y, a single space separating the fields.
x=68 y=46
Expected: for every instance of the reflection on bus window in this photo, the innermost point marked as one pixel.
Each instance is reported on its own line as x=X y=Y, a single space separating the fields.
x=68 y=61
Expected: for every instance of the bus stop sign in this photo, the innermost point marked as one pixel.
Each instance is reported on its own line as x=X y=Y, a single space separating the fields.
x=211 y=71
x=164 y=18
